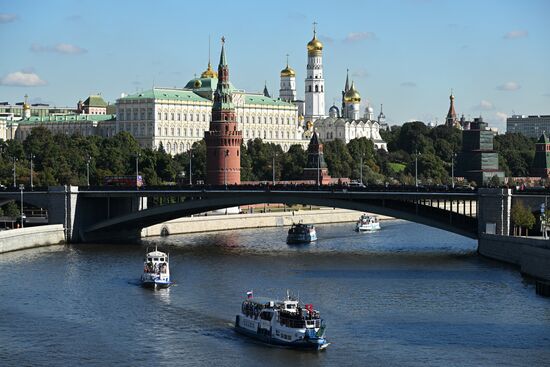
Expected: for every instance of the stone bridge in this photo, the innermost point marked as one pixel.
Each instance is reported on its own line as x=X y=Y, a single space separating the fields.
x=108 y=213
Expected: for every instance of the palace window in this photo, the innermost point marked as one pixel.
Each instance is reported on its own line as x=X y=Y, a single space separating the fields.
x=166 y=116
x=159 y=115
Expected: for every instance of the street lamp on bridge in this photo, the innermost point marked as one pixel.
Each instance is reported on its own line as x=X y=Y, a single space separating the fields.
x=190 y=167
x=137 y=169
x=416 y=168
x=22 y=187
x=453 y=156
x=88 y=170
x=14 y=173
x=225 y=167
x=31 y=157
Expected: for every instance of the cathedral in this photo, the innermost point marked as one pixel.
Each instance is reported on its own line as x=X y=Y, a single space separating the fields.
x=348 y=123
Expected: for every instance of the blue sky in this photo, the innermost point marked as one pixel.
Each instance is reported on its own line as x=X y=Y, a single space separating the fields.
x=406 y=54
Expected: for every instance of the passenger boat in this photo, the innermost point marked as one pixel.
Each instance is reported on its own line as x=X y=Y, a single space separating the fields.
x=156 y=270
x=301 y=233
x=285 y=323
x=367 y=223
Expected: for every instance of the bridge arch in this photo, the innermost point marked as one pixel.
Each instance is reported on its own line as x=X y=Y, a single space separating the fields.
x=433 y=217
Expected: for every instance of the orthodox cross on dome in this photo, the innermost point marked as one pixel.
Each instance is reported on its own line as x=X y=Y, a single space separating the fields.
x=286 y=60
x=314 y=28
x=223 y=40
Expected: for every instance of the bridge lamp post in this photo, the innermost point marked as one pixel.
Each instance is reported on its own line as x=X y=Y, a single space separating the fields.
x=88 y=170
x=137 y=169
x=190 y=167
x=225 y=167
x=453 y=170
x=22 y=187
x=361 y=171
x=31 y=157
x=273 y=167
x=318 y=170
x=416 y=168
x=14 y=173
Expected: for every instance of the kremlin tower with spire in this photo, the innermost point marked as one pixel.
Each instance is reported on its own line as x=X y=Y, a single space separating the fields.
x=223 y=140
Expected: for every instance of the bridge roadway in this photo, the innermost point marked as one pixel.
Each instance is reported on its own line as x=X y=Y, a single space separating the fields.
x=90 y=214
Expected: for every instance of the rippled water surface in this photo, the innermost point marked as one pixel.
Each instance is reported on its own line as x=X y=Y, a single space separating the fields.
x=406 y=296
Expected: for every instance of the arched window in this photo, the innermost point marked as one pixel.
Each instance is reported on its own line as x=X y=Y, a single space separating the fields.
x=317 y=88
x=309 y=88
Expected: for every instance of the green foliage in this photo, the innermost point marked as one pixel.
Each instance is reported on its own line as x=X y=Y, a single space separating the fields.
x=516 y=153
x=10 y=209
x=338 y=158
x=522 y=216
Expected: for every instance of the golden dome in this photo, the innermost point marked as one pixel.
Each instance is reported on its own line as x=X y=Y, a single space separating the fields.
x=314 y=45
x=288 y=71
x=352 y=96
x=209 y=72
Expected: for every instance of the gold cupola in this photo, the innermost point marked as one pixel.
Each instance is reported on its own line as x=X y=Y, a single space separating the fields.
x=288 y=71
x=209 y=72
x=352 y=95
x=314 y=46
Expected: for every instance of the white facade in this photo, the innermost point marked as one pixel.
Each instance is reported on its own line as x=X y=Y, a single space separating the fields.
x=288 y=88
x=331 y=128
x=177 y=118
x=530 y=126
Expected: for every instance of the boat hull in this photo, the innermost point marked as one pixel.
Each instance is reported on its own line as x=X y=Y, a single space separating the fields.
x=306 y=344
x=300 y=239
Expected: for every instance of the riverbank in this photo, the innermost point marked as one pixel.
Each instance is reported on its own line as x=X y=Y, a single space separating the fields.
x=257 y=220
x=31 y=237
x=532 y=255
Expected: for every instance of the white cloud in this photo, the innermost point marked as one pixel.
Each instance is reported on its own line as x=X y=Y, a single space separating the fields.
x=60 y=48
x=484 y=105
x=7 y=18
x=516 y=34
x=408 y=84
x=326 y=39
x=22 y=79
x=509 y=86
x=361 y=73
x=359 y=36
x=501 y=116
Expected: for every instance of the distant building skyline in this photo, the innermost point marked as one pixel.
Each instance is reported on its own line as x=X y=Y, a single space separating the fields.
x=407 y=56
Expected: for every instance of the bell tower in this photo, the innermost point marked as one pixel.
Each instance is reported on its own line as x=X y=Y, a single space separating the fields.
x=315 y=84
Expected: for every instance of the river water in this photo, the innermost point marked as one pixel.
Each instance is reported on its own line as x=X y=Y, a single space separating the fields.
x=408 y=295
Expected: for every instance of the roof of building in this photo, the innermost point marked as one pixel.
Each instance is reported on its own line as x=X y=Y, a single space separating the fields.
x=95 y=101
x=168 y=93
x=260 y=99
x=65 y=118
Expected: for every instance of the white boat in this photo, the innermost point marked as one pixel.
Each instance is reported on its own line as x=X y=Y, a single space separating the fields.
x=301 y=233
x=156 y=270
x=367 y=223
x=284 y=323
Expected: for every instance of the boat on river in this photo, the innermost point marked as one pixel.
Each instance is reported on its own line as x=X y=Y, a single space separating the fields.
x=156 y=270
x=285 y=323
x=367 y=223
x=301 y=233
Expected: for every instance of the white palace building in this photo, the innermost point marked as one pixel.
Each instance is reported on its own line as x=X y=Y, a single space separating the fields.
x=178 y=117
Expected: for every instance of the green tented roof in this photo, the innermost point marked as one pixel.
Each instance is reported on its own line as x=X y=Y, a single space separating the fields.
x=95 y=101
x=164 y=93
x=65 y=118
x=543 y=139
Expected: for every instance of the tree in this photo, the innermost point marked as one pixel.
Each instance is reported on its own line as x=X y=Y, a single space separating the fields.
x=522 y=217
x=294 y=162
x=338 y=159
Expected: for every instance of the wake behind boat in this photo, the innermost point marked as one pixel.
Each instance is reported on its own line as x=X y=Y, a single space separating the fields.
x=367 y=223
x=156 y=270
x=301 y=233
x=284 y=323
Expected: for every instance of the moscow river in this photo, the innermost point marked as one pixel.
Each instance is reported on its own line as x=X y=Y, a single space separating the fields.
x=408 y=295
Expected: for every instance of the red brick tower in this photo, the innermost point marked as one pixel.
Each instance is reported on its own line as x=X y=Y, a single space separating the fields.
x=223 y=141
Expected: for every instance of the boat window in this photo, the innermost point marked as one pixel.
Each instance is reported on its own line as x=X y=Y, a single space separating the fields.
x=289 y=306
x=162 y=259
x=156 y=259
x=149 y=259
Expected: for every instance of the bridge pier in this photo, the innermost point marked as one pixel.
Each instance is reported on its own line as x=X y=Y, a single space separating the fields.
x=494 y=211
